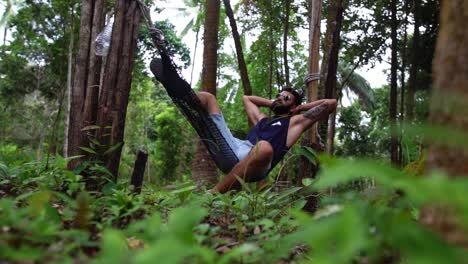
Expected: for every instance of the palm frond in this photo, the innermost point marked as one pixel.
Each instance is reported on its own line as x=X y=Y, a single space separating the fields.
x=358 y=84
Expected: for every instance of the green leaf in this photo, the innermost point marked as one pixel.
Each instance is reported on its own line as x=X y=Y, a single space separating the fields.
x=113 y=248
x=113 y=148
x=88 y=150
x=308 y=154
x=91 y=127
x=183 y=220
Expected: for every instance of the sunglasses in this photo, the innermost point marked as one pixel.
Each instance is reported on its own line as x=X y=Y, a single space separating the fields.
x=285 y=97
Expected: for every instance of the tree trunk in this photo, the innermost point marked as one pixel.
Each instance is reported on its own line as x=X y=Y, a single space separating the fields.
x=194 y=55
x=5 y=31
x=414 y=63
x=403 y=82
x=139 y=171
x=76 y=117
x=287 y=7
x=69 y=81
x=203 y=167
x=113 y=98
x=306 y=168
x=240 y=54
x=330 y=66
x=448 y=110
x=394 y=85
x=329 y=148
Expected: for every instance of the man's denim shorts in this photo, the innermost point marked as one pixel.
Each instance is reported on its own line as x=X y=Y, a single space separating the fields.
x=240 y=147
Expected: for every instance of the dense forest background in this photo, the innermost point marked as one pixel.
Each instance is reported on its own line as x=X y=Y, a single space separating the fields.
x=374 y=199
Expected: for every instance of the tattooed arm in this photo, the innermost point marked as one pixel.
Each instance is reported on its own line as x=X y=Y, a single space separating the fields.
x=314 y=112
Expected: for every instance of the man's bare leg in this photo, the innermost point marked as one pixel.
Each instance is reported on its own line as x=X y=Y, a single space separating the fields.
x=209 y=102
x=249 y=169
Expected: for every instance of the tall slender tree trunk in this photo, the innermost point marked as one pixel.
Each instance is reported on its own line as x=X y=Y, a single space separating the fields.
x=306 y=168
x=203 y=168
x=394 y=84
x=287 y=8
x=69 y=80
x=329 y=67
x=240 y=54
x=194 y=55
x=414 y=63
x=5 y=31
x=403 y=82
x=448 y=109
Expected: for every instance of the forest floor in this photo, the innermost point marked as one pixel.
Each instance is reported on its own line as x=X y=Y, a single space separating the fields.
x=47 y=216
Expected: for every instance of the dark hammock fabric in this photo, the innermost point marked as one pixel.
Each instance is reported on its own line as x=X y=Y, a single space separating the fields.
x=188 y=103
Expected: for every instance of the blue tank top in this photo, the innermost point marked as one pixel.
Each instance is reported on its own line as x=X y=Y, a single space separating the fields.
x=275 y=131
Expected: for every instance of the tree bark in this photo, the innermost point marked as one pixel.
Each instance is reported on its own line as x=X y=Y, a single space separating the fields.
x=113 y=98
x=203 y=168
x=330 y=66
x=394 y=84
x=403 y=82
x=448 y=110
x=82 y=80
x=69 y=80
x=139 y=171
x=287 y=7
x=414 y=63
x=306 y=168
x=239 y=52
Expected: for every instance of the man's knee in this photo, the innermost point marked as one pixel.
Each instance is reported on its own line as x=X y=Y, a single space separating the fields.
x=208 y=101
x=206 y=96
x=263 y=151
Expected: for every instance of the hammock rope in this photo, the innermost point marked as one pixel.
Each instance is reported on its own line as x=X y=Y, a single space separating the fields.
x=183 y=96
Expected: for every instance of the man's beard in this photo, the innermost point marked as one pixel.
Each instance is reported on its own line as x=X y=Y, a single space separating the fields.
x=279 y=109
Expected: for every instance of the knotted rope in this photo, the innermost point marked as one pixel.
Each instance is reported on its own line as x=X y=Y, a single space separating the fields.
x=311 y=77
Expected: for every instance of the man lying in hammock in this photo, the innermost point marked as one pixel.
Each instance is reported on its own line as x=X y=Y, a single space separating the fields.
x=270 y=138
x=267 y=142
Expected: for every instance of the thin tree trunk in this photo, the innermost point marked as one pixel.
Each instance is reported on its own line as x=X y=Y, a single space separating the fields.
x=414 y=63
x=194 y=56
x=5 y=34
x=403 y=83
x=203 y=168
x=394 y=85
x=272 y=53
x=69 y=81
x=285 y=41
x=330 y=66
x=331 y=133
x=307 y=169
x=240 y=54
x=448 y=110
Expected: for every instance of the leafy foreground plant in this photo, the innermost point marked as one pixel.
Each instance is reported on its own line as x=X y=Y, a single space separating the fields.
x=47 y=222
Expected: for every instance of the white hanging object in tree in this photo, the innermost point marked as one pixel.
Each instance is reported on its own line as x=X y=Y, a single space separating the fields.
x=103 y=39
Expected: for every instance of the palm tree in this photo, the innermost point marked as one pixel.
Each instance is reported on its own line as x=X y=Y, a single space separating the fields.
x=203 y=168
x=11 y=6
x=351 y=81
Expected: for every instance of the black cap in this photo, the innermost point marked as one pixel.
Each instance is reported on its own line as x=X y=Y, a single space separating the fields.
x=298 y=94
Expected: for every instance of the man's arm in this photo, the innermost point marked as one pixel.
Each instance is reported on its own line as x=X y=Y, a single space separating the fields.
x=313 y=104
x=314 y=112
x=252 y=107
